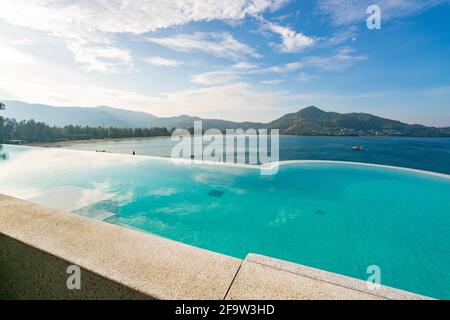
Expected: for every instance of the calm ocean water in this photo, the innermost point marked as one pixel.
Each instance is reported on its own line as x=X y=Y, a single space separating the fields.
x=432 y=154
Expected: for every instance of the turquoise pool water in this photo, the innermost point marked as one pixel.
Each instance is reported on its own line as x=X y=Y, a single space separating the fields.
x=337 y=217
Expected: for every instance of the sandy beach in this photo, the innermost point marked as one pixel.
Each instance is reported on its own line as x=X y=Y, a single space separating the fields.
x=72 y=142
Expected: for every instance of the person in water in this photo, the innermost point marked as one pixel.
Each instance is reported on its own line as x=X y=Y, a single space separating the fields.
x=134 y=153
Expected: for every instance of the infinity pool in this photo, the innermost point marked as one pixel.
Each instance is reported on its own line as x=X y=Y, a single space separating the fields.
x=333 y=216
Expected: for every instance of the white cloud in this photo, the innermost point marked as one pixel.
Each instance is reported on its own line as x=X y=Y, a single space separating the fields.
x=10 y=56
x=342 y=36
x=88 y=27
x=342 y=59
x=291 y=41
x=23 y=42
x=343 y=12
x=215 y=77
x=32 y=80
x=292 y=66
x=164 y=62
x=306 y=77
x=237 y=101
x=244 y=66
x=221 y=44
x=275 y=81
x=104 y=59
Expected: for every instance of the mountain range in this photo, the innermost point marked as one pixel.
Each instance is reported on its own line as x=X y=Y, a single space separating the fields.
x=308 y=121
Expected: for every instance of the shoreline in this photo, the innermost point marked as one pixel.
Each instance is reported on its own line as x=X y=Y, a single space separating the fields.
x=92 y=141
x=89 y=141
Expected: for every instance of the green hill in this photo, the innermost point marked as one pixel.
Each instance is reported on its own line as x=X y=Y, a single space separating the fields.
x=313 y=121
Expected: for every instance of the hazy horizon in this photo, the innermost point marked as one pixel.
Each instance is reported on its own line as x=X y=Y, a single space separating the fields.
x=194 y=115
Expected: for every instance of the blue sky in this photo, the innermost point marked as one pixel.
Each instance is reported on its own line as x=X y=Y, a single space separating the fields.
x=234 y=59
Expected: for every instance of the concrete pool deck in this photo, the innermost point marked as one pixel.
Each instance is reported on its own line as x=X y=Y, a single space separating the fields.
x=37 y=244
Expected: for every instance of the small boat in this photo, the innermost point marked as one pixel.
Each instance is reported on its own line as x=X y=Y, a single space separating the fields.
x=358 y=148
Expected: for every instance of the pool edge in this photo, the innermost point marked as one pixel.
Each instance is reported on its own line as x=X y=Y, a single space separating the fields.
x=275 y=164
x=324 y=280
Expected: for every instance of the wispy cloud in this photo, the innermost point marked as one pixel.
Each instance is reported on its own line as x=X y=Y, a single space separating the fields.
x=106 y=59
x=232 y=101
x=306 y=77
x=287 y=67
x=162 y=62
x=341 y=59
x=292 y=41
x=89 y=27
x=245 y=66
x=235 y=101
x=23 y=42
x=25 y=78
x=220 y=44
x=215 y=77
x=275 y=81
x=343 y=12
x=341 y=36
x=11 y=56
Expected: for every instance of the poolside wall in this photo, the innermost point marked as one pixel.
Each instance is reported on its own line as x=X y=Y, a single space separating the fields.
x=37 y=244
x=30 y=273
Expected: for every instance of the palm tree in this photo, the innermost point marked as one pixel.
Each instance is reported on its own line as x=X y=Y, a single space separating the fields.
x=2 y=106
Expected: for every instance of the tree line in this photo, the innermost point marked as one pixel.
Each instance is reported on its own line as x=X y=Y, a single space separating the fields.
x=31 y=131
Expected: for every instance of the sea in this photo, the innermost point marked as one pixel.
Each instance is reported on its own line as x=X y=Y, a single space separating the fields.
x=430 y=154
